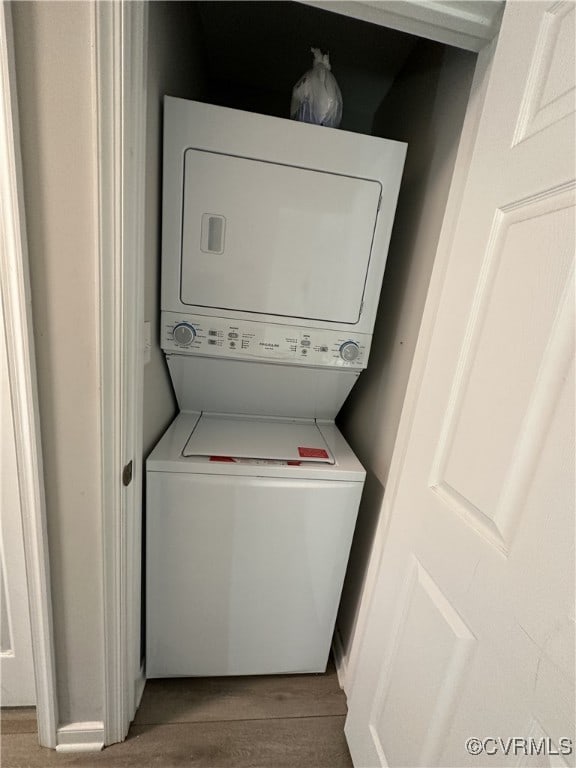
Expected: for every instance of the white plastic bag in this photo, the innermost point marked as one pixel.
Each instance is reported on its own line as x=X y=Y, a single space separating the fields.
x=316 y=97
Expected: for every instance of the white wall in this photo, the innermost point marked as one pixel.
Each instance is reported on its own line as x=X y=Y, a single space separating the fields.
x=174 y=67
x=424 y=107
x=56 y=91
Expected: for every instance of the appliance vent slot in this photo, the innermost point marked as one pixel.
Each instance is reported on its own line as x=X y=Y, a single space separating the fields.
x=213 y=229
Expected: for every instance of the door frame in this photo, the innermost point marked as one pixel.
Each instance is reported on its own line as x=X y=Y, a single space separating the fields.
x=16 y=298
x=120 y=67
x=470 y=27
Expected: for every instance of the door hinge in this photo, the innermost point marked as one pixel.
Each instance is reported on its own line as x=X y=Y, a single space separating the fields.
x=127 y=474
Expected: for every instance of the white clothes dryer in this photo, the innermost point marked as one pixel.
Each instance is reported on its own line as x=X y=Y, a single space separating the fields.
x=248 y=534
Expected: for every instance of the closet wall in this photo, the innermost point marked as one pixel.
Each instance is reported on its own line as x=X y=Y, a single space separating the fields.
x=257 y=51
x=175 y=66
x=425 y=107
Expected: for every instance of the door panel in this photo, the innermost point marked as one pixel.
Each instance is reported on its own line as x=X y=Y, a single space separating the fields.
x=431 y=641
x=502 y=358
x=471 y=631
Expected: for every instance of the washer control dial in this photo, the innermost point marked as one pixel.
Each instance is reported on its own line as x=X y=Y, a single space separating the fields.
x=349 y=351
x=184 y=334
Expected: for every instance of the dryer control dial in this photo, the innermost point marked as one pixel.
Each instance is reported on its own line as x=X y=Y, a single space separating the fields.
x=349 y=351
x=184 y=334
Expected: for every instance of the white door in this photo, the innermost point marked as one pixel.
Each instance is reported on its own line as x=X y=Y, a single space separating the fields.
x=16 y=667
x=471 y=627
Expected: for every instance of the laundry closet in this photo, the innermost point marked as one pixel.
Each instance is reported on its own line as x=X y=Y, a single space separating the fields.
x=247 y=56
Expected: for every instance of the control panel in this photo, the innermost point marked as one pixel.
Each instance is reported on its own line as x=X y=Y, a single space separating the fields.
x=223 y=337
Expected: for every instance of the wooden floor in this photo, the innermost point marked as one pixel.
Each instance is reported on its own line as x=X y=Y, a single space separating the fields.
x=265 y=722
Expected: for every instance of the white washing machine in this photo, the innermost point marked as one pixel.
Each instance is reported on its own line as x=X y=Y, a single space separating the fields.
x=275 y=235
x=248 y=542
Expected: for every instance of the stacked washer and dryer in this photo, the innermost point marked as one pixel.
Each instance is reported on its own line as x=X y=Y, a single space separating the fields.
x=274 y=241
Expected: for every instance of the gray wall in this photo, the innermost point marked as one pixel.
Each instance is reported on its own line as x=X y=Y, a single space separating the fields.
x=257 y=51
x=175 y=56
x=425 y=107
x=55 y=83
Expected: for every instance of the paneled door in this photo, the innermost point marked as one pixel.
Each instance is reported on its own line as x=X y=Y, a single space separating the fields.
x=16 y=666
x=471 y=628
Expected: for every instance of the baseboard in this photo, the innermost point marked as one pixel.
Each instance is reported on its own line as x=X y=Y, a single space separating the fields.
x=80 y=737
x=340 y=659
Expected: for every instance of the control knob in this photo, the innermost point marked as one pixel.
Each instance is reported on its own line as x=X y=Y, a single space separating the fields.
x=349 y=351
x=184 y=334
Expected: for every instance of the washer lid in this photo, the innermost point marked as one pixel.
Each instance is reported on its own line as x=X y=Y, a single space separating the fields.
x=226 y=437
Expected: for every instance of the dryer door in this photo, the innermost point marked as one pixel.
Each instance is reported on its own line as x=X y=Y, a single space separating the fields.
x=274 y=239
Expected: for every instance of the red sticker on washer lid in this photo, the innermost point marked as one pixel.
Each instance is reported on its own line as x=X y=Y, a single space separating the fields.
x=293 y=463
x=313 y=453
x=223 y=458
